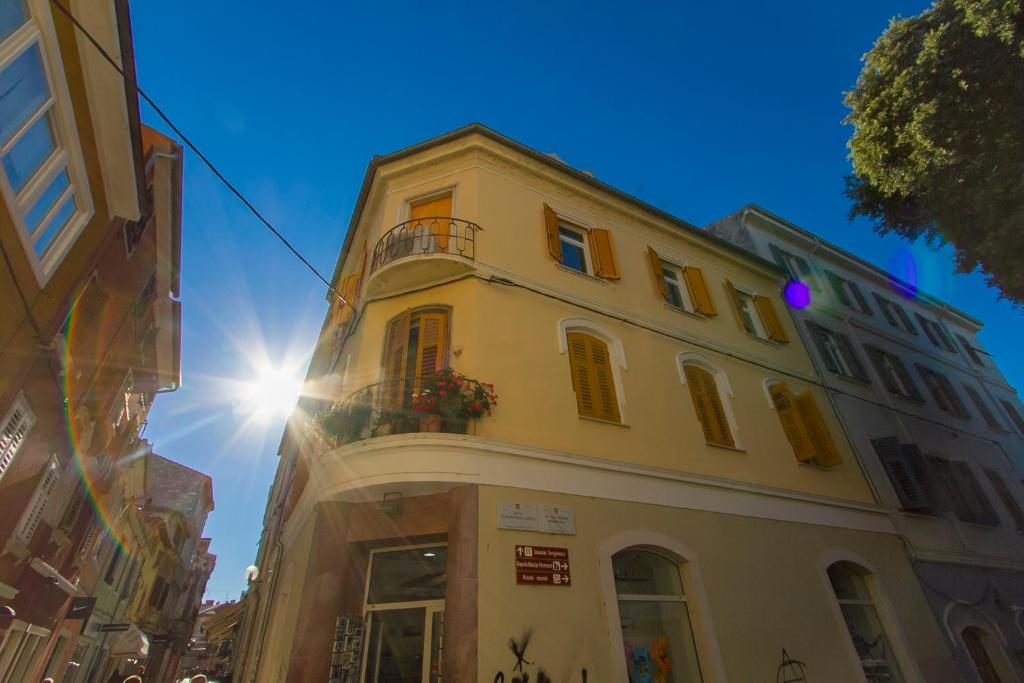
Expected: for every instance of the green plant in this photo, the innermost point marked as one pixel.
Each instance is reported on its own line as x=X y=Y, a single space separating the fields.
x=454 y=395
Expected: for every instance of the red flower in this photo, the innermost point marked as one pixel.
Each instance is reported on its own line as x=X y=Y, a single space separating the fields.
x=443 y=392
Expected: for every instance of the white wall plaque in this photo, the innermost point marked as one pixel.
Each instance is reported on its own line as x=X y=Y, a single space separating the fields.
x=557 y=520
x=517 y=516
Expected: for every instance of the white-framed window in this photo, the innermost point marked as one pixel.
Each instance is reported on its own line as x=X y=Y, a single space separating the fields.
x=13 y=430
x=678 y=293
x=37 y=504
x=43 y=178
x=711 y=393
x=748 y=314
x=120 y=411
x=654 y=616
x=857 y=605
x=575 y=250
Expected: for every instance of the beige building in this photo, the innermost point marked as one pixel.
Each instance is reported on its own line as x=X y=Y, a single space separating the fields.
x=562 y=433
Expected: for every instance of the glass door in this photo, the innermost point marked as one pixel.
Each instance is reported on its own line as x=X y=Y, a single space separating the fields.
x=404 y=645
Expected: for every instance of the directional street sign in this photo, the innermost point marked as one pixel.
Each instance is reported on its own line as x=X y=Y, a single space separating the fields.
x=542 y=566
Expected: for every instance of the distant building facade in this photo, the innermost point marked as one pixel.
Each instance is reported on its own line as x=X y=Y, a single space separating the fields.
x=560 y=433
x=936 y=425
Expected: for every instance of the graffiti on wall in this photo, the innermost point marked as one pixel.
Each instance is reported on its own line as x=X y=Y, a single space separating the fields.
x=520 y=674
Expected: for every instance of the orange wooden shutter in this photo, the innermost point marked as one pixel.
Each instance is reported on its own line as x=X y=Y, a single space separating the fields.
x=602 y=250
x=772 y=324
x=699 y=293
x=792 y=422
x=551 y=227
x=592 y=377
x=362 y=268
x=825 y=452
x=348 y=291
x=707 y=403
x=430 y=351
x=395 y=361
x=658 y=273
x=434 y=213
x=734 y=302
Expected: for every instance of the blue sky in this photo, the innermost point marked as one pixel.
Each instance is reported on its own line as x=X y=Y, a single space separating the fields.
x=697 y=108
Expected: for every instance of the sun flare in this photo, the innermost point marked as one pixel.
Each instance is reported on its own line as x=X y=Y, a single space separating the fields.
x=271 y=393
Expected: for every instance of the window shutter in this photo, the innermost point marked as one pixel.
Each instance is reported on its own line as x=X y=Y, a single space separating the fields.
x=953 y=395
x=792 y=425
x=1009 y=502
x=971 y=351
x=824 y=447
x=551 y=228
x=862 y=303
x=979 y=403
x=602 y=250
x=362 y=270
x=395 y=355
x=901 y=475
x=807 y=274
x=1015 y=417
x=936 y=496
x=817 y=334
x=707 y=403
x=348 y=292
x=886 y=307
x=877 y=357
x=907 y=324
x=37 y=504
x=932 y=382
x=837 y=287
x=734 y=302
x=699 y=292
x=656 y=271
x=592 y=377
x=852 y=357
x=778 y=256
x=13 y=432
x=907 y=380
x=978 y=503
x=926 y=325
x=430 y=352
x=772 y=324
x=433 y=213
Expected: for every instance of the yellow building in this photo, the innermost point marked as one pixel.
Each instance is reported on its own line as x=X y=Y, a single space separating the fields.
x=661 y=492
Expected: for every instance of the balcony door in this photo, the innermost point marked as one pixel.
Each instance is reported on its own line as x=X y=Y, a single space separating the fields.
x=430 y=218
x=416 y=347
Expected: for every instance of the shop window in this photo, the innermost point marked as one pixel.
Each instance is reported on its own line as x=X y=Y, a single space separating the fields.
x=657 y=628
x=857 y=604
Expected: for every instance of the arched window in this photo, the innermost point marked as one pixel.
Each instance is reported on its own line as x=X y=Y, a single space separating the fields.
x=592 y=376
x=709 y=405
x=657 y=633
x=978 y=643
x=856 y=602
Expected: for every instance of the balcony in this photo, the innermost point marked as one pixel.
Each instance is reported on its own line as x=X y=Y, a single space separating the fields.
x=444 y=403
x=422 y=250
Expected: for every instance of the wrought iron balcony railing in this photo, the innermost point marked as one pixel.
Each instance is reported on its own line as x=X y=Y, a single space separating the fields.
x=422 y=236
x=391 y=407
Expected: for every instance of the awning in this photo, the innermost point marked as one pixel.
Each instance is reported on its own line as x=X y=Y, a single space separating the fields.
x=131 y=643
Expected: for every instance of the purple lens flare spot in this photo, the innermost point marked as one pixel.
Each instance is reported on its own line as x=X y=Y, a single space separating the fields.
x=903 y=278
x=797 y=294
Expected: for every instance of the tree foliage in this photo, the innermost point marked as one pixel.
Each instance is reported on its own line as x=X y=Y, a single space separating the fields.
x=938 y=141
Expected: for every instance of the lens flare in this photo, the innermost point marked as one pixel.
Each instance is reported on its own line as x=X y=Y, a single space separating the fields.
x=797 y=294
x=273 y=392
x=903 y=273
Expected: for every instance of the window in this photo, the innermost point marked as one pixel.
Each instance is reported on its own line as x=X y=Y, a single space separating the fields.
x=709 y=406
x=986 y=412
x=837 y=353
x=848 y=293
x=120 y=410
x=433 y=213
x=416 y=347
x=133 y=230
x=978 y=643
x=893 y=373
x=115 y=560
x=1005 y=495
x=657 y=630
x=756 y=314
x=943 y=392
x=894 y=314
x=971 y=350
x=41 y=178
x=1015 y=417
x=877 y=659
x=964 y=491
x=804 y=426
x=589 y=251
x=911 y=476
x=796 y=266
x=592 y=377
x=683 y=288
x=13 y=430
x=936 y=333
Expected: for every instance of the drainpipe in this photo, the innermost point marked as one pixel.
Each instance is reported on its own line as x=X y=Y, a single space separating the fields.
x=270 y=598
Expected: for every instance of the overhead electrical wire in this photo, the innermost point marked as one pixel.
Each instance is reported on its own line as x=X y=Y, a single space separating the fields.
x=202 y=157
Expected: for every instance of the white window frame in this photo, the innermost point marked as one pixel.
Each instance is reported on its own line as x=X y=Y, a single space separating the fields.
x=33 y=514
x=745 y=298
x=679 y=280
x=20 y=406
x=830 y=343
x=890 y=369
x=616 y=357
x=120 y=413
x=39 y=30
x=582 y=243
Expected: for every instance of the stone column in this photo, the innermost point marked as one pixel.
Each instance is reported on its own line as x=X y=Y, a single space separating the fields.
x=459 y=658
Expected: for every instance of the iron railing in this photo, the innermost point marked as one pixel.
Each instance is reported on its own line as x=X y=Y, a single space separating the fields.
x=386 y=408
x=430 y=235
